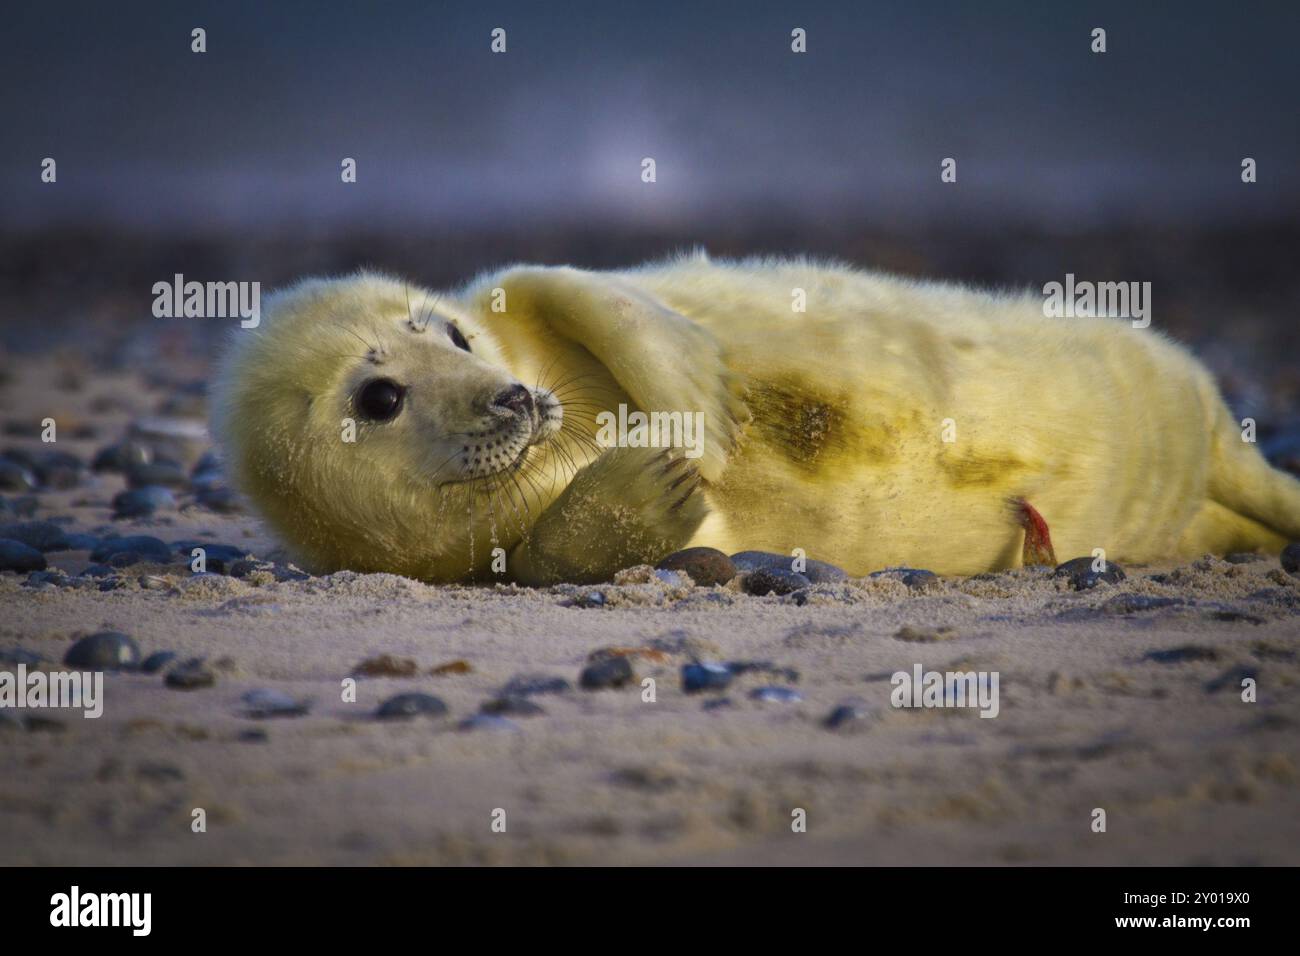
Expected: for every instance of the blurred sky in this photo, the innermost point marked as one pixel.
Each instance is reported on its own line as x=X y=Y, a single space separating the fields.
x=250 y=134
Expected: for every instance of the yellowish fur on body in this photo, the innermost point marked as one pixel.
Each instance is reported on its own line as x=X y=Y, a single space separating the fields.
x=825 y=428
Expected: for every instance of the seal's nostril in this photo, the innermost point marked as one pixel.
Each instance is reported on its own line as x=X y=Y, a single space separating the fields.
x=517 y=398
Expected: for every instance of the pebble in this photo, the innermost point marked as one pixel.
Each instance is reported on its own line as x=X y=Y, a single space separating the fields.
x=82 y=542
x=916 y=579
x=1178 y=655
x=104 y=650
x=157 y=661
x=775 y=694
x=142 y=502
x=211 y=550
x=530 y=685
x=16 y=556
x=613 y=672
x=512 y=706
x=488 y=722
x=190 y=675
x=59 y=470
x=817 y=572
x=590 y=599
x=762 y=667
x=415 y=704
x=850 y=714
x=1132 y=603
x=52 y=578
x=705 y=676
x=20 y=655
x=1291 y=558
x=42 y=535
x=1244 y=557
x=221 y=499
x=706 y=566
x=160 y=471
x=262 y=703
x=15 y=477
x=1082 y=577
x=773 y=581
x=147 y=547
x=121 y=456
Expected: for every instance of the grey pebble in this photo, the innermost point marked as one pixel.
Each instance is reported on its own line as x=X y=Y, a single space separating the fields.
x=776 y=694
x=1178 y=655
x=850 y=714
x=414 y=704
x=157 y=661
x=15 y=477
x=529 y=685
x=19 y=557
x=1291 y=558
x=488 y=722
x=817 y=572
x=512 y=707
x=44 y=536
x=1244 y=557
x=190 y=675
x=19 y=655
x=104 y=650
x=149 y=548
x=142 y=502
x=263 y=703
x=1082 y=577
x=773 y=581
x=169 y=474
x=705 y=676
x=611 y=673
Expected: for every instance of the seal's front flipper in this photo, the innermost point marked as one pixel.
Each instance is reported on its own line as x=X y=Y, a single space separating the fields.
x=663 y=360
x=1038 y=540
x=630 y=506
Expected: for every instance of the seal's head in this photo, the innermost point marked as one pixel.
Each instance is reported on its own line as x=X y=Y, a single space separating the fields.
x=359 y=407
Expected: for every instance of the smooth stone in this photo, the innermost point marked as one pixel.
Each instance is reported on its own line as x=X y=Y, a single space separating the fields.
x=15 y=477
x=706 y=566
x=149 y=548
x=590 y=599
x=16 y=556
x=211 y=550
x=120 y=456
x=1244 y=557
x=1082 y=577
x=705 y=676
x=24 y=506
x=847 y=715
x=142 y=502
x=51 y=578
x=773 y=581
x=1184 y=654
x=780 y=695
x=614 y=672
x=221 y=499
x=209 y=461
x=530 y=685
x=124 y=559
x=42 y=535
x=415 y=704
x=82 y=542
x=169 y=474
x=263 y=703
x=157 y=661
x=1291 y=558
x=512 y=707
x=817 y=572
x=104 y=650
x=20 y=655
x=246 y=566
x=488 y=722
x=762 y=667
x=191 y=675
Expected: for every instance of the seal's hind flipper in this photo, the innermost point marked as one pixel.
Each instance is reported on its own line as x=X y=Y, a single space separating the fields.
x=1038 y=540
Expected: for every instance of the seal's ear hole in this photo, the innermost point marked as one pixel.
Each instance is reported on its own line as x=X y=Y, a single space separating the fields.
x=380 y=399
x=457 y=339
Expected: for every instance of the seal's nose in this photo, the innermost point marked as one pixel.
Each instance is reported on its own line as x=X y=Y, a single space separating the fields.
x=516 y=398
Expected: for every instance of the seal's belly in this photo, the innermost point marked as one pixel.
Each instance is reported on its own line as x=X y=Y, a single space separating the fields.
x=896 y=429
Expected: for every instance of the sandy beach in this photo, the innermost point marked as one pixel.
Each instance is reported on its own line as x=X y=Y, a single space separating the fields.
x=1125 y=697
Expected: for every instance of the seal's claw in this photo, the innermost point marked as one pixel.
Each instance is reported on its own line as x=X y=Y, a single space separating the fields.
x=1038 y=540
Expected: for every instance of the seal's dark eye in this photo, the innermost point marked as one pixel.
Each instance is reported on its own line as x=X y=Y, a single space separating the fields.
x=457 y=339
x=380 y=400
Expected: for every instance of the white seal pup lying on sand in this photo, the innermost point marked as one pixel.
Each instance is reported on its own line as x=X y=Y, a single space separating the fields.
x=380 y=427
